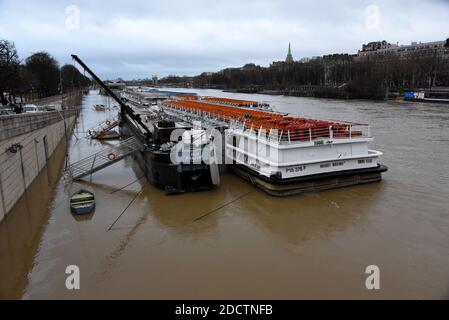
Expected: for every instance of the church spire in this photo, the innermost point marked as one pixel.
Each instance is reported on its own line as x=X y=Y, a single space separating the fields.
x=289 y=58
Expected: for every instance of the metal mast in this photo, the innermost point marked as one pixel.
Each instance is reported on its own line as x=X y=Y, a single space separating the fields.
x=124 y=109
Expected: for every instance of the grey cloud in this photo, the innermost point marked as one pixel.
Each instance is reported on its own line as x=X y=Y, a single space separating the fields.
x=138 y=38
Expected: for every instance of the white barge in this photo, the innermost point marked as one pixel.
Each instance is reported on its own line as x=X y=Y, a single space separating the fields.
x=288 y=166
x=286 y=155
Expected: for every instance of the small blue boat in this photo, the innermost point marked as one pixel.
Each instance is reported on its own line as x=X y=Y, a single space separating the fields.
x=82 y=202
x=409 y=96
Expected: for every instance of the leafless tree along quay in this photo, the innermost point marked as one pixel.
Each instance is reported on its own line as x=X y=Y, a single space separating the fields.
x=9 y=68
x=38 y=76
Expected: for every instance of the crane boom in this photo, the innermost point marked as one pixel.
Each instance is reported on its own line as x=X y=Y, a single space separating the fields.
x=124 y=108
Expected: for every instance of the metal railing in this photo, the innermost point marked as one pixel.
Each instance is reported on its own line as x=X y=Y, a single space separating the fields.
x=102 y=159
x=102 y=127
x=298 y=134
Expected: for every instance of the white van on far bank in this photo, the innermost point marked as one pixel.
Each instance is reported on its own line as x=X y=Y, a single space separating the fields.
x=53 y=107
x=31 y=108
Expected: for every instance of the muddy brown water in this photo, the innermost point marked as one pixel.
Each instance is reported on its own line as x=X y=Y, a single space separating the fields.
x=251 y=245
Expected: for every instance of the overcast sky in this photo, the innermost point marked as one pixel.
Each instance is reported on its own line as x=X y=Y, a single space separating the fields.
x=135 y=39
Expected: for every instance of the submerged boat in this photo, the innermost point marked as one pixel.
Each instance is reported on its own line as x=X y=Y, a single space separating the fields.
x=108 y=135
x=82 y=202
x=99 y=107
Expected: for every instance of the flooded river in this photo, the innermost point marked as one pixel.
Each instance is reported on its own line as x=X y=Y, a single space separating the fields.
x=250 y=245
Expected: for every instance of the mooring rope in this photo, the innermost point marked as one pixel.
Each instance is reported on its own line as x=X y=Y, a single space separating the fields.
x=120 y=189
x=124 y=210
x=222 y=206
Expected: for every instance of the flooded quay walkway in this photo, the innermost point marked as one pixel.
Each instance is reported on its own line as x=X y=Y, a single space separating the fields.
x=249 y=245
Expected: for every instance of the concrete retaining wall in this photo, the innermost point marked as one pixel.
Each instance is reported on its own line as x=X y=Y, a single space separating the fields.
x=38 y=134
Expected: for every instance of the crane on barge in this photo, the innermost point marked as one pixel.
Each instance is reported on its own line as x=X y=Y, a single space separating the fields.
x=152 y=150
x=124 y=108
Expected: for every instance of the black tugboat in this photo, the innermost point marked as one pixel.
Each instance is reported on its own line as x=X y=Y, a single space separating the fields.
x=154 y=159
x=154 y=154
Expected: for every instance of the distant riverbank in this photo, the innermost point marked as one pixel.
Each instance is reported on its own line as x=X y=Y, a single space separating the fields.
x=321 y=92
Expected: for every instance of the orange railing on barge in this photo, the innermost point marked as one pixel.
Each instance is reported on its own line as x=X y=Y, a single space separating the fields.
x=187 y=96
x=288 y=128
x=232 y=102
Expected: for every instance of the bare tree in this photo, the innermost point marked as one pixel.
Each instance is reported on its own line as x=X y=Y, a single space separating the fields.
x=46 y=73
x=9 y=69
x=71 y=78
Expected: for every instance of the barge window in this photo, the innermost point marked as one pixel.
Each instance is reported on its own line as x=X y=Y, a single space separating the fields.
x=369 y=160
x=338 y=164
x=361 y=161
x=326 y=165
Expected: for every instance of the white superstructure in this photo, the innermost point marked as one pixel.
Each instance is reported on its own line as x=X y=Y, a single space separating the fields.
x=285 y=155
x=282 y=155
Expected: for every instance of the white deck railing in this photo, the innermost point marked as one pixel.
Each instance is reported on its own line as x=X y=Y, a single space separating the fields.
x=340 y=130
x=307 y=135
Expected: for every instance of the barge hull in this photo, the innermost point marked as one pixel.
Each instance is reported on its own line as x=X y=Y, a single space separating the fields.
x=161 y=173
x=288 y=187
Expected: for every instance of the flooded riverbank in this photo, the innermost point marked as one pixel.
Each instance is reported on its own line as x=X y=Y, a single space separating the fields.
x=247 y=244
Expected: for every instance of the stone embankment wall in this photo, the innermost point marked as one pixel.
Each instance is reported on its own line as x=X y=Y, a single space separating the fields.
x=27 y=141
